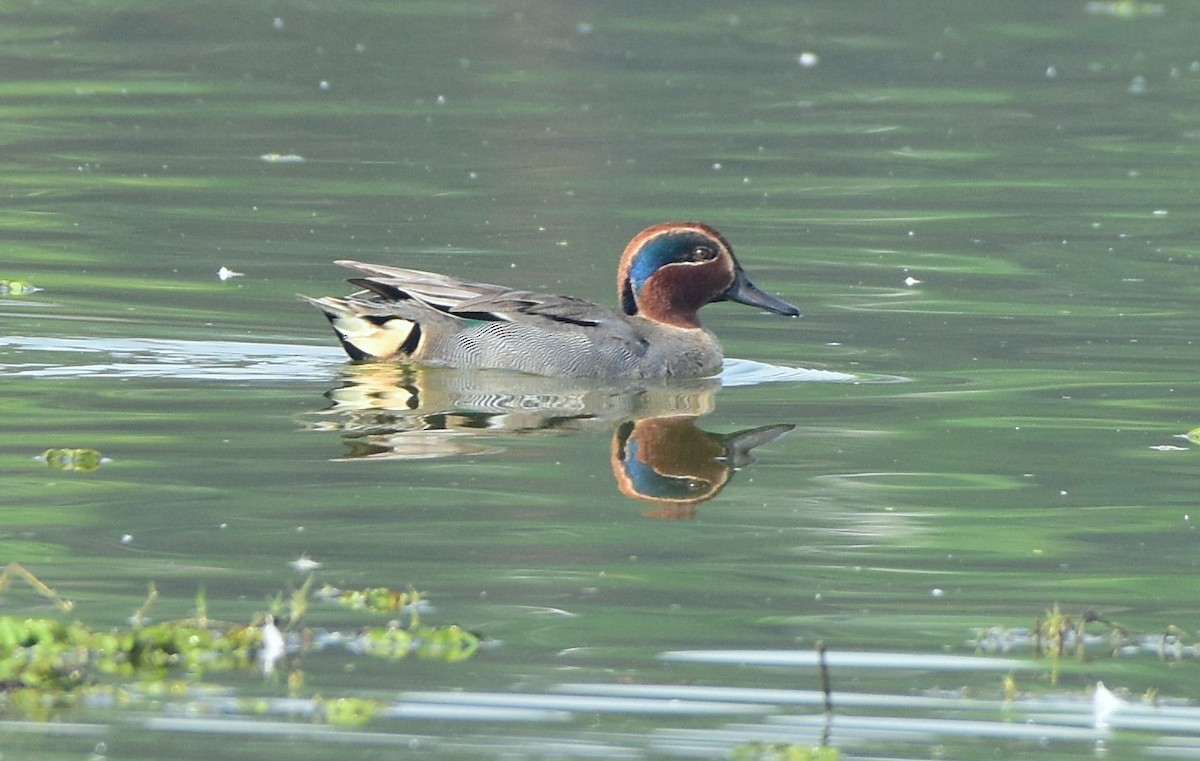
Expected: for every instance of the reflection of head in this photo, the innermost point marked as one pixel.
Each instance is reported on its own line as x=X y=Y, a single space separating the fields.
x=668 y=460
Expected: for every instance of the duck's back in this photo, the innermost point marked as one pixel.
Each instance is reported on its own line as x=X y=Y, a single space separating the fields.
x=434 y=319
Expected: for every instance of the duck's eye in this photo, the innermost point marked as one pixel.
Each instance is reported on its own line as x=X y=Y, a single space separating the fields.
x=702 y=254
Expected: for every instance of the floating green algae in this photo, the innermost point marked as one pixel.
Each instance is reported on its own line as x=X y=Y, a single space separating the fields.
x=48 y=663
x=77 y=459
x=17 y=288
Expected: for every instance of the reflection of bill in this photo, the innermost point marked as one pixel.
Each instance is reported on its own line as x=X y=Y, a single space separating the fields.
x=672 y=462
x=390 y=411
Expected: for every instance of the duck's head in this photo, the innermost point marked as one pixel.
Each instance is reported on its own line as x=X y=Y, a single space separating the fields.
x=669 y=271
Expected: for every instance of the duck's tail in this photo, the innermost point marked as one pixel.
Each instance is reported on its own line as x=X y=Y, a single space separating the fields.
x=367 y=333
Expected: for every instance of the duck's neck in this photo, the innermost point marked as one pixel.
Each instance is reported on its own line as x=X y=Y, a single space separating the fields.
x=666 y=298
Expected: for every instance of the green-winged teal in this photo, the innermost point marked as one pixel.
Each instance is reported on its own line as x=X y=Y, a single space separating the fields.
x=666 y=274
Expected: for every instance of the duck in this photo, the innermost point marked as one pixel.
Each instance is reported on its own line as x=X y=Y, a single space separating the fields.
x=665 y=275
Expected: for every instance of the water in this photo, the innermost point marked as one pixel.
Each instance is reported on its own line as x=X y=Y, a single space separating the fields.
x=983 y=211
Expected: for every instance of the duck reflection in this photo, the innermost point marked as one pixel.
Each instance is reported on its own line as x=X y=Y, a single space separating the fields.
x=669 y=461
x=394 y=411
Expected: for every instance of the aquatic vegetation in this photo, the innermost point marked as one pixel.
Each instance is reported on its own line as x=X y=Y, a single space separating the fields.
x=17 y=288
x=784 y=752
x=48 y=663
x=16 y=570
x=1054 y=631
x=350 y=712
x=80 y=460
x=377 y=599
x=1085 y=636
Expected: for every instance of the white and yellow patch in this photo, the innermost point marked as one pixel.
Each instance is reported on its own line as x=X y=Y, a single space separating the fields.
x=381 y=341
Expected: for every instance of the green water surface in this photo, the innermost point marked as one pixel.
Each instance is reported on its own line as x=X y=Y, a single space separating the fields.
x=986 y=212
